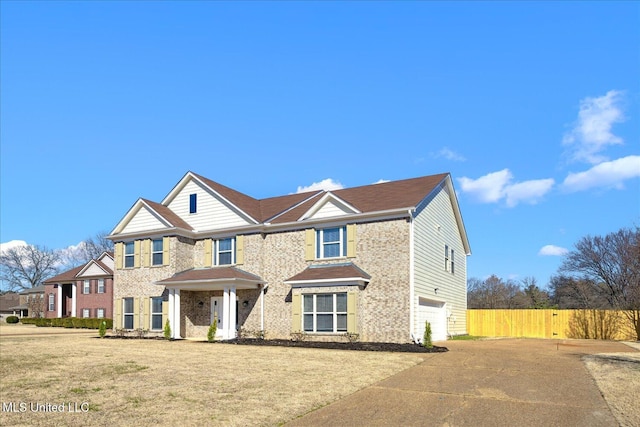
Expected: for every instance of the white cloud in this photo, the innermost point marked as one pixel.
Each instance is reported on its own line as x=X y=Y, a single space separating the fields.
x=528 y=191
x=447 y=153
x=606 y=175
x=497 y=186
x=326 y=184
x=381 y=181
x=552 y=250
x=488 y=188
x=12 y=244
x=592 y=131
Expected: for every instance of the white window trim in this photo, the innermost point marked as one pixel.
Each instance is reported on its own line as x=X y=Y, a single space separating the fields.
x=87 y=311
x=154 y=313
x=314 y=312
x=52 y=302
x=129 y=255
x=320 y=243
x=125 y=313
x=86 y=287
x=101 y=286
x=153 y=252
x=216 y=251
x=98 y=310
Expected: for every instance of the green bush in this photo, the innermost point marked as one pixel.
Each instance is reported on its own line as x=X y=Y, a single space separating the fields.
x=28 y=320
x=102 y=331
x=167 y=330
x=67 y=322
x=13 y=319
x=426 y=341
x=211 y=335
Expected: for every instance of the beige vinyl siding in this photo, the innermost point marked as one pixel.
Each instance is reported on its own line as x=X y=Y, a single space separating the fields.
x=330 y=209
x=212 y=213
x=429 y=271
x=93 y=270
x=143 y=220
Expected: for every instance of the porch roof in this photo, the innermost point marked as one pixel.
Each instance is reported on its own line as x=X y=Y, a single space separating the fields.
x=330 y=273
x=214 y=278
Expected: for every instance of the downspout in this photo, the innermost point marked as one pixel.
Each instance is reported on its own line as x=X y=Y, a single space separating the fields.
x=411 y=273
x=262 y=308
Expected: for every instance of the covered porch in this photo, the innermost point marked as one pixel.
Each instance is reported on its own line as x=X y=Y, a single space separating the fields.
x=198 y=296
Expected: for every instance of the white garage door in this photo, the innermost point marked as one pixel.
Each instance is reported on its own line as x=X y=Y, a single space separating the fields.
x=435 y=313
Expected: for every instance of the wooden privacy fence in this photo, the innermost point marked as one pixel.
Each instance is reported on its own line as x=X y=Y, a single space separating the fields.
x=593 y=324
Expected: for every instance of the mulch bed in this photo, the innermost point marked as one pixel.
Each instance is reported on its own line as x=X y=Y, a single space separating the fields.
x=360 y=346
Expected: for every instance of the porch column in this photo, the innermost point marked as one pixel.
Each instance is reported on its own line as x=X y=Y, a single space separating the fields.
x=73 y=299
x=232 y=313
x=225 y=314
x=59 y=301
x=176 y=314
x=171 y=303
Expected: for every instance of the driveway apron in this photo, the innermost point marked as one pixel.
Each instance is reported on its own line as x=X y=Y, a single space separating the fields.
x=504 y=382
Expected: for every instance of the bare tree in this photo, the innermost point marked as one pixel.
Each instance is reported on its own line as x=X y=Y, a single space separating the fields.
x=89 y=249
x=611 y=265
x=25 y=267
x=492 y=293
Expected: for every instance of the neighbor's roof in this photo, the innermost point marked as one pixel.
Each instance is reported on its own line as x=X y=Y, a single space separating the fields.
x=8 y=301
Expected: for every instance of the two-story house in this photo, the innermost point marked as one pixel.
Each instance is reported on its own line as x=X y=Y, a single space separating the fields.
x=84 y=291
x=377 y=260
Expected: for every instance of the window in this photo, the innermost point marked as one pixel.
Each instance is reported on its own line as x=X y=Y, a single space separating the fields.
x=331 y=242
x=156 y=252
x=86 y=312
x=128 y=255
x=453 y=270
x=193 y=203
x=100 y=313
x=101 y=286
x=52 y=302
x=224 y=252
x=156 y=313
x=449 y=260
x=127 y=312
x=325 y=312
x=86 y=289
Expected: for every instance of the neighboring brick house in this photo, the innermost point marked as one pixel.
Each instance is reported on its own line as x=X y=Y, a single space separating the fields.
x=84 y=291
x=8 y=303
x=31 y=303
x=376 y=261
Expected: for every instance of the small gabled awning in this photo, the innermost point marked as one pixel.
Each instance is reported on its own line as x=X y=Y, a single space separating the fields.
x=215 y=278
x=330 y=275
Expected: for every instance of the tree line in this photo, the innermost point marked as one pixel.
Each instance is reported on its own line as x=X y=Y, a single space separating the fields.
x=601 y=272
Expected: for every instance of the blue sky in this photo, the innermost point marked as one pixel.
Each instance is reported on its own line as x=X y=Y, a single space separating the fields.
x=532 y=107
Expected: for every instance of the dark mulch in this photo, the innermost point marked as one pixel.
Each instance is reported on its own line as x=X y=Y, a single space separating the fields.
x=360 y=346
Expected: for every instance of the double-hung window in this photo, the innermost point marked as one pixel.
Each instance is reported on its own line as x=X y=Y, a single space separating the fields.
x=100 y=313
x=86 y=288
x=325 y=312
x=86 y=312
x=101 y=286
x=156 y=313
x=52 y=302
x=331 y=242
x=157 y=251
x=127 y=313
x=449 y=264
x=224 y=252
x=129 y=255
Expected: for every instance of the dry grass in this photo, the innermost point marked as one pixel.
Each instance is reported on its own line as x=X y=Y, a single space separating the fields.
x=175 y=383
x=618 y=377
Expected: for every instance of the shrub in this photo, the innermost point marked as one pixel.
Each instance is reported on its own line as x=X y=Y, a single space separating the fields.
x=102 y=331
x=13 y=319
x=426 y=341
x=27 y=320
x=167 y=330
x=67 y=322
x=211 y=334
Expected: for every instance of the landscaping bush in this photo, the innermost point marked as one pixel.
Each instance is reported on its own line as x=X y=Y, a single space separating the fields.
x=102 y=331
x=167 y=330
x=211 y=334
x=28 y=320
x=426 y=342
x=13 y=319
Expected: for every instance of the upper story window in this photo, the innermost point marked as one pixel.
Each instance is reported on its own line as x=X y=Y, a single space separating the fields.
x=449 y=260
x=331 y=242
x=129 y=255
x=193 y=203
x=157 y=250
x=101 y=288
x=224 y=251
x=86 y=288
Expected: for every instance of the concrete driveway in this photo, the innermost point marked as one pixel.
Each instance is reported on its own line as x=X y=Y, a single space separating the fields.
x=504 y=382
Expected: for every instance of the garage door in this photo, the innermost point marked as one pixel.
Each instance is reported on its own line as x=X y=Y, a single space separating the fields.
x=435 y=313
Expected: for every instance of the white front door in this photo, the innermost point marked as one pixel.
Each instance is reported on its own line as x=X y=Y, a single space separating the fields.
x=217 y=313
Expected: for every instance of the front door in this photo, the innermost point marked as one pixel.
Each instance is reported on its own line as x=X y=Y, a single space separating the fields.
x=216 y=313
